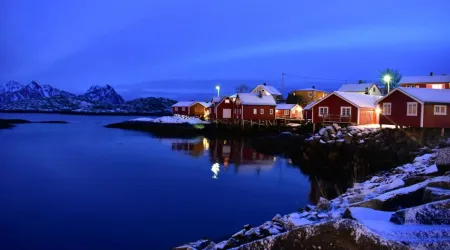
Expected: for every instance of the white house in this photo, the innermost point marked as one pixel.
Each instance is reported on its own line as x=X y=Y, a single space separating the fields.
x=268 y=90
x=362 y=88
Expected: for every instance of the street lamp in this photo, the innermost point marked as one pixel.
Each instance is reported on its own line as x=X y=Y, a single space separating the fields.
x=218 y=90
x=387 y=79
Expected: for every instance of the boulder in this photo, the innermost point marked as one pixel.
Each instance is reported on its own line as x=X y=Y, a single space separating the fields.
x=415 y=179
x=335 y=234
x=348 y=138
x=247 y=227
x=337 y=127
x=326 y=138
x=323 y=204
x=443 y=160
x=309 y=208
x=200 y=244
x=322 y=131
x=431 y=194
x=429 y=214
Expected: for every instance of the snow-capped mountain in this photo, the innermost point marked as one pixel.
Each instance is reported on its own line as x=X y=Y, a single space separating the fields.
x=98 y=99
x=102 y=94
x=11 y=86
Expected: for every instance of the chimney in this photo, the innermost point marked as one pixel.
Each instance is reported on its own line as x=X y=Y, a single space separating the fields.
x=265 y=84
x=431 y=73
x=367 y=91
x=314 y=87
x=360 y=81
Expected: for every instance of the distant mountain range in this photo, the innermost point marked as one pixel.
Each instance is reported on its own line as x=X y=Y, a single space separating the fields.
x=15 y=96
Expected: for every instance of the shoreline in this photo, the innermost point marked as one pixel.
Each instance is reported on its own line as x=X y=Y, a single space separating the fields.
x=162 y=113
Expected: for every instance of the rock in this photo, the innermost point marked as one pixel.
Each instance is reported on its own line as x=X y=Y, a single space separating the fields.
x=440 y=182
x=443 y=160
x=348 y=138
x=277 y=218
x=330 y=130
x=431 y=194
x=347 y=214
x=336 y=127
x=322 y=131
x=247 y=227
x=200 y=244
x=231 y=243
x=415 y=179
x=335 y=234
x=323 y=204
x=339 y=134
x=309 y=208
x=326 y=138
x=429 y=214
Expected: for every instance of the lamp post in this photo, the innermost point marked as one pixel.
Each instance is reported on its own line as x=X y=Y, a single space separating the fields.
x=387 y=79
x=218 y=90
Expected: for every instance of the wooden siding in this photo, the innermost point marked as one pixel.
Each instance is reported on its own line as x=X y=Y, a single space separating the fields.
x=398 y=114
x=430 y=120
x=368 y=116
x=249 y=115
x=445 y=85
x=219 y=107
x=334 y=104
x=316 y=95
x=194 y=110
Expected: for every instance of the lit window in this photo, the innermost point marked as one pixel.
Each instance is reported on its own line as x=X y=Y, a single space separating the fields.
x=286 y=112
x=255 y=111
x=176 y=108
x=436 y=86
x=310 y=94
x=387 y=107
x=227 y=101
x=262 y=111
x=346 y=111
x=411 y=109
x=417 y=86
x=440 y=110
x=323 y=111
x=271 y=111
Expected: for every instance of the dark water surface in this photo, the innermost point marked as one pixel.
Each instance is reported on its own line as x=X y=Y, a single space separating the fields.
x=82 y=186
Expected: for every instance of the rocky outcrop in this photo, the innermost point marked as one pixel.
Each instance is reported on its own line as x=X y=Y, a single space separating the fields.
x=428 y=214
x=443 y=160
x=336 y=234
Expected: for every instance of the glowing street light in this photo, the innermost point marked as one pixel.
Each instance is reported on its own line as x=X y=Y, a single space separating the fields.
x=218 y=90
x=387 y=79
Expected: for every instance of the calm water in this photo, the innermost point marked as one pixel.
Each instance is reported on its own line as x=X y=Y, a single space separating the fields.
x=82 y=186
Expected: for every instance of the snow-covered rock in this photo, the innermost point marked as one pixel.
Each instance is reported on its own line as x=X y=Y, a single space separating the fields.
x=430 y=214
x=443 y=160
x=11 y=86
x=172 y=119
x=102 y=94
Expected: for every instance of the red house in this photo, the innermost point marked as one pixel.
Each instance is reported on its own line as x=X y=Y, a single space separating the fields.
x=222 y=109
x=252 y=106
x=416 y=107
x=429 y=82
x=288 y=111
x=344 y=107
x=307 y=111
x=192 y=108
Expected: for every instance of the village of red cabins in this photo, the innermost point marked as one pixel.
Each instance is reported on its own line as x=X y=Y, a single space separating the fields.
x=419 y=102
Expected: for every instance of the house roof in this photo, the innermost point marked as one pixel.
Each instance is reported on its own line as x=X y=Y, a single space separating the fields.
x=424 y=95
x=356 y=87
x=216 y=99
x=358 y=100
x=286 y=106
x=255 y=99
x=269 y=89
x=206 y=104
x=425 y=79
x=307 y=107
x=311 y=89
x=184 y=104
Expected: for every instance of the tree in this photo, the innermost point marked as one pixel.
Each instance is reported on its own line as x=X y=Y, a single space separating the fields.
x=294 y=99
x=394 y=75
x=242 y=89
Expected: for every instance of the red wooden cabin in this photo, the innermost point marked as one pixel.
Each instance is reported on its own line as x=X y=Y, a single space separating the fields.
x=416 y=107
x=344 y=107
x=191 y=108
x=222 y=109
x=288 y=111
x=429 y=82
x=251 y=106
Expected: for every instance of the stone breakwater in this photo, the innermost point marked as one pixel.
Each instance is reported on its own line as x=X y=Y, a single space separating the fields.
x=405 y=208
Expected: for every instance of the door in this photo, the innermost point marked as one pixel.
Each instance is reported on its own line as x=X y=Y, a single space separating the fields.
x=226 y=113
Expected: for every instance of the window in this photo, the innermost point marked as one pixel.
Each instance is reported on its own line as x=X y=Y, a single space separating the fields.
x=440 y=110
x=262 y=111
x=271 y=111
x=310 y=94
x=286 y=112
x=373 y=90
x=417 y=86
x=227 y=101
x=411 y=109
x=387 y=107
x=255 y=111
x=323 y=111
x=176 y=108
x=346 y=111
x=436 y=86
x=183 y=109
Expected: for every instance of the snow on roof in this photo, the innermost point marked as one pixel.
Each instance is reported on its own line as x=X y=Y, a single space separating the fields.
x=285 y=106
x=311 y=89
x=309 y=105
x=428 y=95
x=355 y=87
x=216 y=99
x=269 y=89
x=360 y=100
x=425 y=79
x=255 y=99
x=184 y=104
x=206 y=104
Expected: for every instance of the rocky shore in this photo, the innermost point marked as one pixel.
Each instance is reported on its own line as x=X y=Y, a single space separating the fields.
x=406 y=207
x=9 y=123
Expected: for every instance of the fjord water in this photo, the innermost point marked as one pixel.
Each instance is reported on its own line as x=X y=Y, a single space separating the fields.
x=83 y=186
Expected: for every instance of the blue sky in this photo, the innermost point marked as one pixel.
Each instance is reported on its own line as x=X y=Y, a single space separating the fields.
x=75 y=44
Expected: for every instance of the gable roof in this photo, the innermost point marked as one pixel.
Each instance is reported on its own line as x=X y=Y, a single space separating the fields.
x=216 y=99
x=309 y=106
x=356 y=87
x=358 y=100
x=206 y=104
x=424 y=95
x=255 y=99
x=311 y=89
x=184 y=104
x=269 y=89
x=425 y=79
x=286 y=106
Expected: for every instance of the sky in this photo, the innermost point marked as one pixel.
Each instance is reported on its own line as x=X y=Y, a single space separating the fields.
x=180 y=47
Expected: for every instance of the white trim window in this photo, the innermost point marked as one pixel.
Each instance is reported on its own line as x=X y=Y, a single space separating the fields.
x=183 y=109
x=262 y=111
x=346 y=111
x=227 y=101
x=323 y=111
x=387 y=108
x=310 y=94
x=255 y=111
x=440 y=110
x=286 y=112
x=411 y=109
x=271 y=111
x=176 y=108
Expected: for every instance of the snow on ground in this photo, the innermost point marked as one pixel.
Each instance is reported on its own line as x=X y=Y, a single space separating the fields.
x=172 y=119
x=369 y=126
